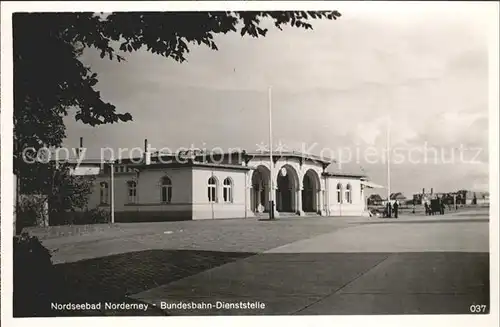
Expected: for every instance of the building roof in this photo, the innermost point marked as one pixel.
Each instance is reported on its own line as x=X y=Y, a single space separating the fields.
x=293 y=154
x=331 y=168
x=345 y=170
x=200 y=156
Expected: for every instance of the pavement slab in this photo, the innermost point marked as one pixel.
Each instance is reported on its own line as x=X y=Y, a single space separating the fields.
x=294 y=265
x=458 y=236
x=301 y=279
x=379 y=268
x=389 y=304
x=226 y=235
x=332 y=283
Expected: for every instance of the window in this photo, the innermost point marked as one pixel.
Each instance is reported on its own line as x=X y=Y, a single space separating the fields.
x=348 y=197
x=212 y=189
x=339 y=193
x=104 y=193
x=132 y=191
x=228 y=190
x=166 y=190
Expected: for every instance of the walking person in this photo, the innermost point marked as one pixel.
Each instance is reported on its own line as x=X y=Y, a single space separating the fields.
x=396 y=207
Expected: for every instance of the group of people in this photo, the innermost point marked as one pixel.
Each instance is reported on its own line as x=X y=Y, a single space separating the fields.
x=391 y=210
x=432 y=208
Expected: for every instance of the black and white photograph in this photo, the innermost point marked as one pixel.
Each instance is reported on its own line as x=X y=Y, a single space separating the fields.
x=250 y=158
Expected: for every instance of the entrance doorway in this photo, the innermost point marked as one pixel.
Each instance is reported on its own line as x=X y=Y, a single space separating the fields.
x=310 y=191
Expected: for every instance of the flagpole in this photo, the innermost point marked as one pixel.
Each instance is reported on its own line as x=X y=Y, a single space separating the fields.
x=271 y=162
x=388 y=158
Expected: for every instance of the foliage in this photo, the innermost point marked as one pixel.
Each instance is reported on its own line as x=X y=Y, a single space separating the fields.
x=34 y=278
x=50 y=81
x=69 y=192
x=58 y=194
x=92 y=216
x=31 y=210
x=374 y=199
x=96 y=216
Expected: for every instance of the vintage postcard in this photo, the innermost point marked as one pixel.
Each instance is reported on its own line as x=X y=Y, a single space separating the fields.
x=310 y=162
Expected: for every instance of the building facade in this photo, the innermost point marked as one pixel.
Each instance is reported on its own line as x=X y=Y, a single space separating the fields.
x=231 y=185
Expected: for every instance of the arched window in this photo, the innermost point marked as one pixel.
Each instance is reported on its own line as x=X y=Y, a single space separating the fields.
x=166 y=190
x=348 y=197
x=104 y=193
x=228 y=190
x=132 y=191
x=212 y=189
x=339 y=193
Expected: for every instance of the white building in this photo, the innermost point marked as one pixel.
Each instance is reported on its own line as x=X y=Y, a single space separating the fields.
x=230 y=185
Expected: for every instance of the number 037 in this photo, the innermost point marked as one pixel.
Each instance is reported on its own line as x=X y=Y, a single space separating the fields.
x=478 y=308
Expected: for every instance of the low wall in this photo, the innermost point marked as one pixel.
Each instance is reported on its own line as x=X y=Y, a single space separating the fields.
x=44 y=233
x=154 y=213
x=152 y=216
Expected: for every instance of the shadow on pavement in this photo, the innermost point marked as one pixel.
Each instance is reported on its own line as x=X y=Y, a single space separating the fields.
x=287 y=283
x=112 y=278
x=332 y=284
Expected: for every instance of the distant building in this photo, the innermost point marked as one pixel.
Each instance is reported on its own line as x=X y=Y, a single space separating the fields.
x=483 y=198
x=421 y=198
x=461 y=197
x=472 y=197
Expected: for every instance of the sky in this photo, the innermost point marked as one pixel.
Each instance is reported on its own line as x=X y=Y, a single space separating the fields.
x=417 y=70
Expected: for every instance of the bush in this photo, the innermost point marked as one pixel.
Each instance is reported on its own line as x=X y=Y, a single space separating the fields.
x=34 y=277
x=31 y=210
x=92 y=216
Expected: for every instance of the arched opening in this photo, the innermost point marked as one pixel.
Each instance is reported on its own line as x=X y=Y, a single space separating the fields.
x=166 y=190
x=132 y=191
x=259 y=197
x=348 y=194
x=284 y=194
x=104 y=193
x=339 y=193
x=227 y=191
x=286 y=189
x=310 y=192
x=212 y=190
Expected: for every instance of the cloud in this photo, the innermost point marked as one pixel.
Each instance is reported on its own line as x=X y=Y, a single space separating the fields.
x=424 y=66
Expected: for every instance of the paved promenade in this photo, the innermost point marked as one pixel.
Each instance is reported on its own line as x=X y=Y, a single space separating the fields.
x=412 y=265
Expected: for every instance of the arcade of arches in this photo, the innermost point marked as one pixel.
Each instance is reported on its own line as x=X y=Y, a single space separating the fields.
x=292 y=195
